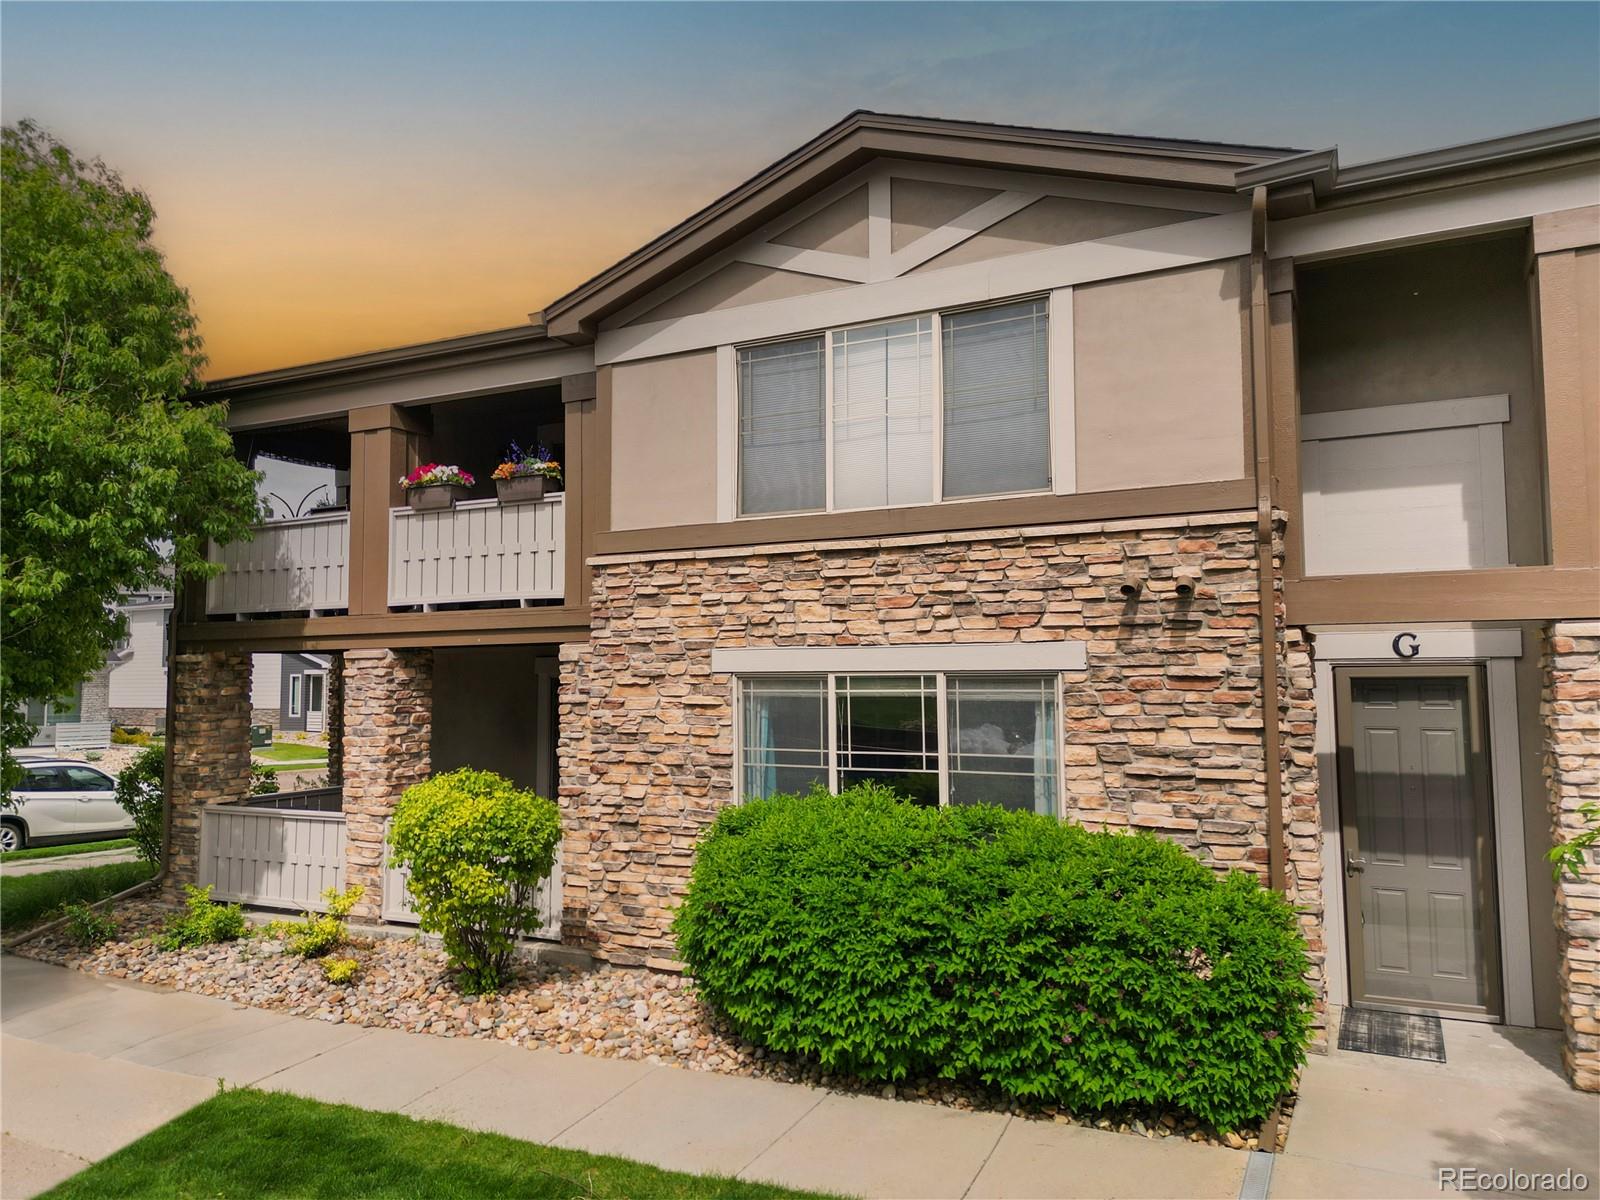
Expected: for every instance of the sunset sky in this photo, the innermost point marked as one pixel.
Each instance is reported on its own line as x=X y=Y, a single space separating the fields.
x=333 y=178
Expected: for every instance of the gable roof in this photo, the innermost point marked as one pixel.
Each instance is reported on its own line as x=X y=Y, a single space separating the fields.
x=863 y=136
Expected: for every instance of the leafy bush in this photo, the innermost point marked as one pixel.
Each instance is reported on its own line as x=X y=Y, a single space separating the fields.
x=140 y=790
x=478 y=848
x=87 y=927
x=321 y=932
x=1089 y=970
x=339 y=970
x=203 y=922
x=129 y=737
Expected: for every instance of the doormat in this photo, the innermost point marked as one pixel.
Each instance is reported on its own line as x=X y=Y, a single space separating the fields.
x=1399 y=1035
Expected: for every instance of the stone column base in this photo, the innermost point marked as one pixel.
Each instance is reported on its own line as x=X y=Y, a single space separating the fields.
x=210 y=749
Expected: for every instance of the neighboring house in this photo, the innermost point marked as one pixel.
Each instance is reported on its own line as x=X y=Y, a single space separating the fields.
x=78 y=721
x=303 y=694
x=959 y=456
x=138 y=672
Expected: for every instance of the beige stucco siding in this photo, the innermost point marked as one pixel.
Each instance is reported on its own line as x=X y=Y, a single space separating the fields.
x=664 y=441
x=1159 y=386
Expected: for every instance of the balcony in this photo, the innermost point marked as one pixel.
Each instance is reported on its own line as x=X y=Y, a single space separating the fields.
x=478 y=551
x=296 y=565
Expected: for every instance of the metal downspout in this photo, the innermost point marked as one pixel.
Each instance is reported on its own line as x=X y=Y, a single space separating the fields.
x=1260 y=398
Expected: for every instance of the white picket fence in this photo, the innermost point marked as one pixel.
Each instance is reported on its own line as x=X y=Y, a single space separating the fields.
x=300 y=565
x=478 y=550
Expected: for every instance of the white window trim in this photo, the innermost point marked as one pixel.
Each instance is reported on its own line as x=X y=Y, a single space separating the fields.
x=1061 y=405
x=295 y=684
x=942 y=711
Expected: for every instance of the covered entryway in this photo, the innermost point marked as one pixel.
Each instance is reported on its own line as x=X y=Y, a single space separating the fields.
x=1418 y=844
x=1421 y=766
x=316 y=701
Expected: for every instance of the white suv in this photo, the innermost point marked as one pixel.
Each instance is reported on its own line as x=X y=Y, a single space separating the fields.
x=62 y=800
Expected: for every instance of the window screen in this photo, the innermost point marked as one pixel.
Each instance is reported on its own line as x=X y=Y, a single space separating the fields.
x=996 y=400
x=781 y=431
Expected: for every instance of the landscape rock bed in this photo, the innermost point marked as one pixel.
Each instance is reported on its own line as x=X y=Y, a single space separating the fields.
x=611 y=1012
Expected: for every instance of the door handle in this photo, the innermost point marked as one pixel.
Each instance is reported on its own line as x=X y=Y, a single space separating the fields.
x=1352 y=864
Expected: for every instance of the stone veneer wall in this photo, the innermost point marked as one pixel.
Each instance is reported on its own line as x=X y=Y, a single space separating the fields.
x=140 y=718
x=1163 y=731
x=1571 y=711
x=210 y=747
x=387 y=708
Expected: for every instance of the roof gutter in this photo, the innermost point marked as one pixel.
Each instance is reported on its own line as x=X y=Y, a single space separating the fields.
x=1266 y=583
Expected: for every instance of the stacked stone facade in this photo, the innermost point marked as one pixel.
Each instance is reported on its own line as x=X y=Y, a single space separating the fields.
x=387 y=714
x=154 y=719
x=1163 y=731
x=1571 y=710
x=210 y=747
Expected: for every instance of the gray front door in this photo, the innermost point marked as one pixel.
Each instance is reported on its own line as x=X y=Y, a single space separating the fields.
x=1417 y=841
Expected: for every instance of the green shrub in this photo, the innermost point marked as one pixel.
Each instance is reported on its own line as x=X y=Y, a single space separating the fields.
x=478 y=847
x=140 y=791
x=339 y=970
x=319 y=933
x=88 y=927
x=263 y=780
x=129 y=737
x=203 y=922
x=1089 y=970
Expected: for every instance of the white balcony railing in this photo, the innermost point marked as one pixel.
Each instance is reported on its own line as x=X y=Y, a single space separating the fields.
x=298 y=565
x=479 y=550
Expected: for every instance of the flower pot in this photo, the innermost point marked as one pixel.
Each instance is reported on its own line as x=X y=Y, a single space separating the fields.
x=434 y=496
x=520 y=489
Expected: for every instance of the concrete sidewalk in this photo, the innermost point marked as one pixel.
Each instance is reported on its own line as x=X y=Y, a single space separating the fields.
x=90 y=1065
x=68 y=862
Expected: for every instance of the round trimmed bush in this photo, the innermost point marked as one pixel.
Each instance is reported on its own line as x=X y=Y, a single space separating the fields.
x=1089 y=970
x=478 y=847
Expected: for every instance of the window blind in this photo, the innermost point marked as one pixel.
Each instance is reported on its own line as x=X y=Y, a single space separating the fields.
x=883 y=414
x=781 y=431
x=996 y=400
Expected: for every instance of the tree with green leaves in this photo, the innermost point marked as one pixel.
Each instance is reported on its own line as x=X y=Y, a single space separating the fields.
x=112 y=476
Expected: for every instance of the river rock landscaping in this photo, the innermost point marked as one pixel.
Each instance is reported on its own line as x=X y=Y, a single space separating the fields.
x=629 y=1013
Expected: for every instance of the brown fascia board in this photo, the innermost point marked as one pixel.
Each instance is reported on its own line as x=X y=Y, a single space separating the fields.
x=1307 y=182
x=377 y=364
x=863 y=136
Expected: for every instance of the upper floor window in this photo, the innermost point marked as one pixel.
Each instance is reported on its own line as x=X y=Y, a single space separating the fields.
x=941 y=406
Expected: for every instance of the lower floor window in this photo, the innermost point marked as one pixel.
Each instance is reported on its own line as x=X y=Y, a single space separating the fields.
x=933 y=738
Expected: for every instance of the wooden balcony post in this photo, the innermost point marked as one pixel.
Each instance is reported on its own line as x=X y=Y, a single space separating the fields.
x=1568 y=286
x=385 y=444
x=586 y=400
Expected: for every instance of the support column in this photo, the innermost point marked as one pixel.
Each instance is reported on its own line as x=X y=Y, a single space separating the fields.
x=388 y=727
x=210 y=748
x=1571 y=711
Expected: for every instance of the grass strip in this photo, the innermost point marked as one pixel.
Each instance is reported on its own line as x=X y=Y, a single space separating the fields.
x=25 y=899
x=264 y=1144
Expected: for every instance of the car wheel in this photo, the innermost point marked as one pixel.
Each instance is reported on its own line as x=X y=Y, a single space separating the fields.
x=11 y=837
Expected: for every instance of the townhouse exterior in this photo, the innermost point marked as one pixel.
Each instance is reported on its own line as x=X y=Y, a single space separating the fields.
x=1217 y=491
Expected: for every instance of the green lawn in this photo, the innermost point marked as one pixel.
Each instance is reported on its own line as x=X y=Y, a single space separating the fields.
x=24 y=899
x=253 y=1144
x=63 y=851
x=274 y=768
x=290 y=752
